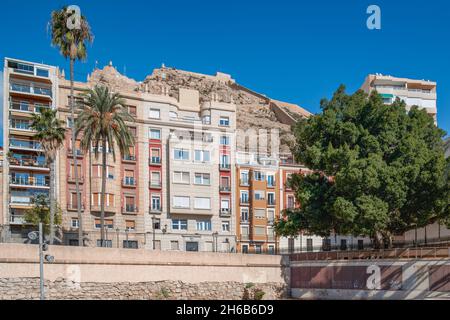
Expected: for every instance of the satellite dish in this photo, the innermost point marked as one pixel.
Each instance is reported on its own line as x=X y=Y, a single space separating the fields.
x=33 y=235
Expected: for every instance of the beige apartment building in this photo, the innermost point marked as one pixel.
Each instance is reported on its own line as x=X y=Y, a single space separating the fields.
x=421 y=93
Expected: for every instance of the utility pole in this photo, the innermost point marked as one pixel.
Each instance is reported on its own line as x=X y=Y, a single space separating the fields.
x=41 y=263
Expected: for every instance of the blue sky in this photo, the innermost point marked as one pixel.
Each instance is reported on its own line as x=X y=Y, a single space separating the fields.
x=297 y=51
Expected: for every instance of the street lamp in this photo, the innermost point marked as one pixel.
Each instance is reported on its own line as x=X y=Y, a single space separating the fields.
x=43 y=246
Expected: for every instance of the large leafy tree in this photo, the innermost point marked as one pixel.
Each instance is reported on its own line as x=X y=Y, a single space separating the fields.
x=50 y=134
x=72 y=38
x=379 y=169
x=103 y=123
x=40 y=213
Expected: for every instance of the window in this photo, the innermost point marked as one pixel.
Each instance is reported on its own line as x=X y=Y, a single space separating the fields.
x=206 y=120
x=270 y=215
x=178 y=224
x=202 y=203
x=271 y=198
x=106 y=243
x=181 y=177
x=180 y=154
x=181 y=202
x=258 y=176
x=225 y=140
x=244 y=178
x=74 y=223
x=225 y=203
x=309 y=244
x=291 y=245
x=259 y=231
x=271 y=249
x=42 y=73
x=109 y=199
x=203 y=225
x=155 y=156
x=156 y=203
x=155 y=134
x=69 y=122
x=202 y=178
x=224 y=121
x=129 y=178
x=202 y=156
x=245 y=248
x=225 y=182
x=130 y=204
x=174 y=245
x=72 y=170
x=224 y=160
x=108 y=223
x=244 y=197
x=132 y=110
x=360 y=244
x=97 y=171
x=259 y=195
x=130 y=244
x=156 y=222
x=130 y=225
x=73 y=242
x=290 y=202
x=244 y=215
x=155 y=178
x=258 y=249
x=225 y=226
x=343 y=244
x=271 y=180
x=259 y=213
x=154 y=114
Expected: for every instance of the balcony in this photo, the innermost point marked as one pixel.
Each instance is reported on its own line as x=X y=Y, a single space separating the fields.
x=155 y=185
x=79 y=153
x=29 y=182
x=71 y=179
x=244 y=183
x=225 y=212
x=271 y=202
x=30 y=163
x=270 y=221
x=224 y=167
x=22 y=125
x=74 y=207
x=245 y=220
x=129 y=209
x=31 y=90
x=17 y=220
x=25 y=107
x=225 y=189
x=155 y=161
x=271 y=185
x=20 y=144
x=109 y=209
x=244 y=202
x=155 y=210
x=129 y=182
x=129 y=158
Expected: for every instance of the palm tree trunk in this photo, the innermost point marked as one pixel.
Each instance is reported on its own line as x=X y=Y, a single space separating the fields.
x=74 y=153
x=52 y=201
x=102 y=208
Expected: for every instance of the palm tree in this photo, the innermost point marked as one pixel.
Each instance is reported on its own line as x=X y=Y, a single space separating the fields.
x=103 y=123
x=50 y=134
x=72 y=45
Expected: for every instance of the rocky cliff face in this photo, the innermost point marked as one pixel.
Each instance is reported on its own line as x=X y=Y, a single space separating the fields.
x=253 y=109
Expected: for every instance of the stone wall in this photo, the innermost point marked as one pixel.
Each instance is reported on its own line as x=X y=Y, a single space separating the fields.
x=62 y=289
x=103 y=273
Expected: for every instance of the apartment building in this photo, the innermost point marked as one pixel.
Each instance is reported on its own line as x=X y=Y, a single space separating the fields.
x=421 y=93
x=173 y=192
x=28 y=87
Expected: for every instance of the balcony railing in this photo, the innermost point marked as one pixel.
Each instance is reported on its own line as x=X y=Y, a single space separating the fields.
x=24 y=200
x=31 y=89
x=129 y=158
x=271 y=202
x=27 y=107
x=34 y=163
x=20 y=125
x=129 y=181
x=30 y=181
x=225 y=212
x=25 y=144
x=244 y=201
x=225 y=188
x=155 y=184
x=225 y=167
x=155 y=210
x=130 y=208
x=71 y=178
x=74 y=207
x=79 y=152
x=155 y=160
x=244 y=183
x=16 y=219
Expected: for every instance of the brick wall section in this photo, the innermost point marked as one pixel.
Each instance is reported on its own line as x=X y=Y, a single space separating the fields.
x=60 y=289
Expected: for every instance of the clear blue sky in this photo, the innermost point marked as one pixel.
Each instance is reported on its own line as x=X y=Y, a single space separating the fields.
x=297 y=51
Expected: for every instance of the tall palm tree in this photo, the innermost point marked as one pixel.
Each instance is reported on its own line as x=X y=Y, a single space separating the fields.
x=102 y=122
x=50 y=134
x=72 y=45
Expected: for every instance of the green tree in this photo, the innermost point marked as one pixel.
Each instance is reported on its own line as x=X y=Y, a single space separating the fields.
x=41 y=213
x=379 y=170
x=72 y=44
x=50 y=134
x=103 y=124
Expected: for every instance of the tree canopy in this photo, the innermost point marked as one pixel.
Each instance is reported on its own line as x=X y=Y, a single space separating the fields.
x=380 y=170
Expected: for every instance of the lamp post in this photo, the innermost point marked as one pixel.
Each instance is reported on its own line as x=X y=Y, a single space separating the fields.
x=164 y=231
x=117 y=235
